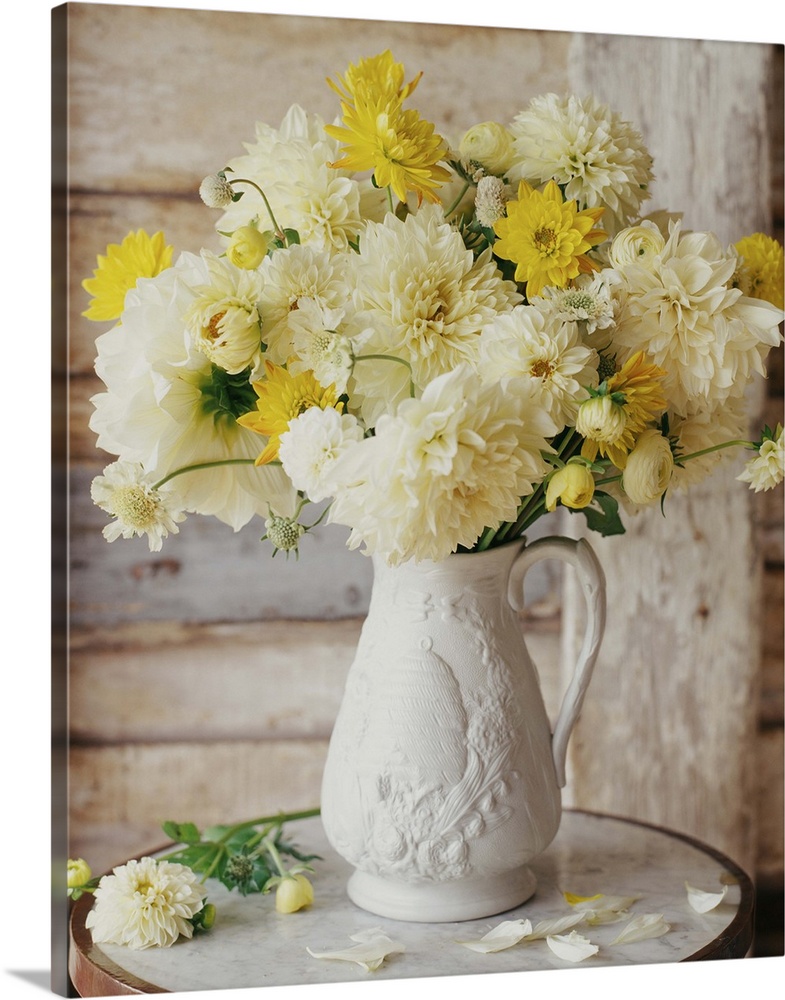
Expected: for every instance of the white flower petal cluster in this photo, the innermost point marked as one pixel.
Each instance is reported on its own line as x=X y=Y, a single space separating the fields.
x=291 y=165
x=145 y=904
x=442 y=468
x=590 y=301
x=319 y=346
x=527 y=343
x=767 y=469
x=588 y=148
x=312 y=445
x=679 y=308
x=159 y=408
x=125 y=492
x=706 y=429
x=420 y=296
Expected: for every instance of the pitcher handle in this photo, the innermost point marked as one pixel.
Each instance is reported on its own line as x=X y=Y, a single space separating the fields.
x=579 y=554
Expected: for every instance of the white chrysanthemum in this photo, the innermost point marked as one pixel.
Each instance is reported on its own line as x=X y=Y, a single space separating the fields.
x=311 y=446
x=590 y=302
x=549 y=352
x=599 y=159
x=767 y=469
x=145 y=904
x=290 y=164
x=706 y=336
x=442 y=468
x=224 y=317
x=125 y=492
x=319 y=347
x=289 y=278
x=165 y=405
x=421 y=297
x=705 y=429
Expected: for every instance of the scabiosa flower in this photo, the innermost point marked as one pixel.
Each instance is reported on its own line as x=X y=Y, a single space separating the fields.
x=767 y=469
x=319 y=346
x=136 y=506
x=216 y=191
x=588 y=149
x=547 y=238
x=760 y=272
x=490 y=202
x=589 y=301
x=138 y=256
x=145 y=904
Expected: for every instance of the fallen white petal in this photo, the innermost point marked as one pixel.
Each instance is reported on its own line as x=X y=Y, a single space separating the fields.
x=371 y=950
x=601 y=903
x=505 y=935
x=704 y=901
x=571 y=947
x=555 y=925
x=647 y=925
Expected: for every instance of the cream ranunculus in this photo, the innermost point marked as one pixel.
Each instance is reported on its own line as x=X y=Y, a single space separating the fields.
x=490 y=144
x=649 y=468
x=573 y=484
x=79 y=873
x=636 y=245
x=247 y=247
x=294 y=892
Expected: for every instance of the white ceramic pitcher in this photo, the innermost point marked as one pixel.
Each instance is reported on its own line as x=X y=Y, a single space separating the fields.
x=443 y=777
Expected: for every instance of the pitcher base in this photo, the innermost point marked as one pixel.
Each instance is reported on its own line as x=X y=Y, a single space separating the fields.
x=442 y=902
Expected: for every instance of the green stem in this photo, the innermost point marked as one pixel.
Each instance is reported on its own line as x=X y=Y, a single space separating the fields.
x=716 y=447
x=272 y=850
x=388 y=357
x=448 y=212
x=274 y=820
x=203 y=465
x=390 y=199
x=278 y=231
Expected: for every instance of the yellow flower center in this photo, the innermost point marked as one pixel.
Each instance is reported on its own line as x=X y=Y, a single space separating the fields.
x=542 y=369
x=214 y=326
x=545 y=241
x=134 y=506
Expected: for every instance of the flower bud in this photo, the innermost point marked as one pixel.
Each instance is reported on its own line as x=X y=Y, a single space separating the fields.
x=573 y=485
x=247 y=247
x=490 y=203
x=649 y=468
x=293 y=893
x=79 y=873
x=216 y=191
x=601 y=419
x=490 y=144
x=284 y=532
x=636 y=245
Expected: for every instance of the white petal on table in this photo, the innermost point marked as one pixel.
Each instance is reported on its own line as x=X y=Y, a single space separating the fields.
x=555 y=925
x=571 y=947
x=641 y=928
x=703 y=901
x=505 y=935
x=372 y=947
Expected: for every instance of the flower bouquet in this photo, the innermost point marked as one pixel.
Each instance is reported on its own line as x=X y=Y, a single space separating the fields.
x=437 y=342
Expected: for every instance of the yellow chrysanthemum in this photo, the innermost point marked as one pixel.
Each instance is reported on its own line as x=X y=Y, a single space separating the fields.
x=380 y=75
x=282 y=397
x=760 y=273
x=401 y=149
x=138 y=256
x=639 y=381
x=547 y=238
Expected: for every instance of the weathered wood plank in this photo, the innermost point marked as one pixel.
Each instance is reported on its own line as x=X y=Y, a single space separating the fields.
x=771 y=808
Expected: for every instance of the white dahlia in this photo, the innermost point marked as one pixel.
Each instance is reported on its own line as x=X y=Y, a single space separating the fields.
x=587 y=148
x=527 y=343
x=167 y=406
x=680 y=309
x=125 y=492
x=290 y=164
x=311 y=446
x=442 y=468
x=145 y=904
x=421 y=297
x=705 y=429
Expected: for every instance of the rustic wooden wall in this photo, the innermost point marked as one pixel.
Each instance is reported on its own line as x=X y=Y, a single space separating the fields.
x=204 y=679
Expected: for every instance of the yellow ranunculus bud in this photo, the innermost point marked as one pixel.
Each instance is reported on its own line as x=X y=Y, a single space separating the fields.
x=247 y=247
x=79 y=873
x=490 y=144
x=649 y=468
x=293 y=893
x=573 y=485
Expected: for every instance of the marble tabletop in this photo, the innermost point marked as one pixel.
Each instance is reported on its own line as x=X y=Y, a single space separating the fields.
x=251 y=945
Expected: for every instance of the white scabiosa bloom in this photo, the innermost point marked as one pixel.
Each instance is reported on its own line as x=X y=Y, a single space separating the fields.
x=588 y=149
x=166 y=405
x=145 y=904
x=589 y=302
x=290 y=164
x=527 y=343
x=442 y=468
x=490 y=202
x=319 y=346
x=420 y=296
x=767 y=469
x=224 y=317
x=216 y=191
x=312 y=445
x=136 y=506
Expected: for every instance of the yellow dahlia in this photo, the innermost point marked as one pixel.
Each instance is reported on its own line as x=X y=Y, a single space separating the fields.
x=760 y=273
x=638 y=389
x=380 y=75
x=401 y=149
x=547 y=237
x=138 y=256
x=282 y=397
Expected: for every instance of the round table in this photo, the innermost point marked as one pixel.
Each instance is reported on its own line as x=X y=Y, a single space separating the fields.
x=251 y=945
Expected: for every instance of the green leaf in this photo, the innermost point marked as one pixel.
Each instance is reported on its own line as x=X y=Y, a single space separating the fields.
x=606 y=520
x=292 y=236
x=183 y=833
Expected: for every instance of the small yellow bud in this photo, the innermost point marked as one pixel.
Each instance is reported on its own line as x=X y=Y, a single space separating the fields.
x=247 y=247
x=79 y=873
x=601 y=419
x=293 y=893
x=573 y=485
x=208 y=918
